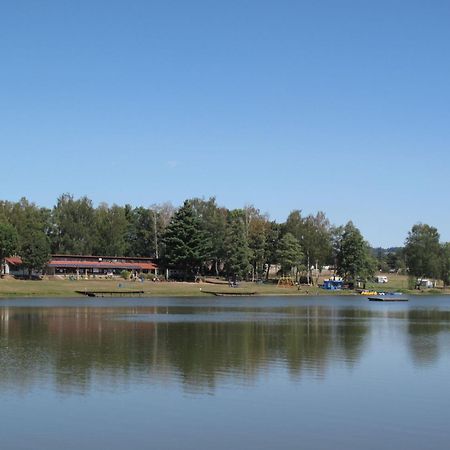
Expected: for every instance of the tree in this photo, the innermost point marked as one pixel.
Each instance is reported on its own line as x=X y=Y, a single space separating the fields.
x=257 y=237
x=289 y=253
x=162 y=215
x=257 y=228
x=186 y=244
x=395 y=259
x=294 y=224
x=237 y=259
x=23 y=213
x=381 y=255
x=213 y=222
x=146 y=227
x=111 y=227
x=8 y=242
x=354 y=261
x=272 y=242
x=140 y=240
x=445 y=263
x=317 y=238
x=336 y=233
x=74 y=225
x=34 y=250
x=314 y=235
x=422 y=251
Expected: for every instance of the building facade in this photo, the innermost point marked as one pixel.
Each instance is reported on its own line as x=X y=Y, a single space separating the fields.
x=87 y=265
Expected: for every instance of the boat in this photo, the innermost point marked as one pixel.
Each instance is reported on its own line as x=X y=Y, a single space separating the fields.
x=110 y=293
x=388 y=297
x=230 y=293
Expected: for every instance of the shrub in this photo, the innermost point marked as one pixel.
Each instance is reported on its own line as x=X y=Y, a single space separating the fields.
x=125 y=274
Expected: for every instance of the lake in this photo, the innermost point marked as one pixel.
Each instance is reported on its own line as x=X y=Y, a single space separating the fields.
x=218 y=373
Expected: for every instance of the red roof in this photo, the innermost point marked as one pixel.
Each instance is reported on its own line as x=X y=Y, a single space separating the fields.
x=17 y=261
x=59 y=257
x=14 y=260
x=102 y=265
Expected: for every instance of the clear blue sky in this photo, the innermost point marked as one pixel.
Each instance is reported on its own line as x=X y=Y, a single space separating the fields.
x=340 y=106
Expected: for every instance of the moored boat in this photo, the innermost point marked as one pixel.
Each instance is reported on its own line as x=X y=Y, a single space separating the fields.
x=388 y=297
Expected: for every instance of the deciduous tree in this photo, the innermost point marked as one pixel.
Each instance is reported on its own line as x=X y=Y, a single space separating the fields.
x=315 y=236
x=272 y=242
x=289 y=253
x=8 y=242
x=354 y=260
x=34 y=249
x=74 y=225
x=445 y=263
x=422 y=251
x=111 y=227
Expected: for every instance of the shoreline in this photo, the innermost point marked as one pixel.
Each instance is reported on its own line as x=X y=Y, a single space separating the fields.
x=12 y=288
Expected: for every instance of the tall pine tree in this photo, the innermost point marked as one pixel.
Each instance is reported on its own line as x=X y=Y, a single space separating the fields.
x=187 y=245
x=237 y=260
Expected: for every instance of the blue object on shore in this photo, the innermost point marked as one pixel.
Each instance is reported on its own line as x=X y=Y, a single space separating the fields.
x=333 y=285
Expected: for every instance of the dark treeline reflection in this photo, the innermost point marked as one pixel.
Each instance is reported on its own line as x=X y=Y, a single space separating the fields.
x=424 y=327
x=75 y=347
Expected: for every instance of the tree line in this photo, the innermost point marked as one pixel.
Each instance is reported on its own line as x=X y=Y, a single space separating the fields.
x=202 y=238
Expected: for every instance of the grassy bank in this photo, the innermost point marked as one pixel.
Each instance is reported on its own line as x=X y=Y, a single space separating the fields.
x=67 y=288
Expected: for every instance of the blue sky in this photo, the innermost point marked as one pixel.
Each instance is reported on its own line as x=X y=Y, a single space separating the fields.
x=340 y=106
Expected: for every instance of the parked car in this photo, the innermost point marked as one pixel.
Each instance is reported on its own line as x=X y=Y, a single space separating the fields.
x=381 y=279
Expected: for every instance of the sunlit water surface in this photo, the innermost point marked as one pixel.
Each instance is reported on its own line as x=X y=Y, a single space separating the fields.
x=241 y=373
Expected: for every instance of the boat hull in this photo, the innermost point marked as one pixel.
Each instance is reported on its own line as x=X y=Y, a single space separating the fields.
x=385 y=298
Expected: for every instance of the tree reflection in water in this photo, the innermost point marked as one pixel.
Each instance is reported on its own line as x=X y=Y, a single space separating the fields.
x=199 y=347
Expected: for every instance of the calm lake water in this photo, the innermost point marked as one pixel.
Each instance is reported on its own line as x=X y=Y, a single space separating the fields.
x=241 y=373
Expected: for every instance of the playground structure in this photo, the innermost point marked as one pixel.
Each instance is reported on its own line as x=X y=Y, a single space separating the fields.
x=286 y=282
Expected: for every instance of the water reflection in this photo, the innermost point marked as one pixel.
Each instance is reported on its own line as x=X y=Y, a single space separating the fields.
x=424 y=329
x=197 y=347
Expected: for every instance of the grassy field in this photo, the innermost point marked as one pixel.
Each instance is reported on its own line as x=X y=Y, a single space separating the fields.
x=396 y=282
x=67 y=288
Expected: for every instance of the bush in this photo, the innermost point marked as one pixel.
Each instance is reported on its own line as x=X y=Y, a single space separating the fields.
x=412 y=283
x=125 y=274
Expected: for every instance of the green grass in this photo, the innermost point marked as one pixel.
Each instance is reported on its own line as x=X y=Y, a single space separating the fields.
x=396 y=282
x=66 y=288
x=401 y=283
